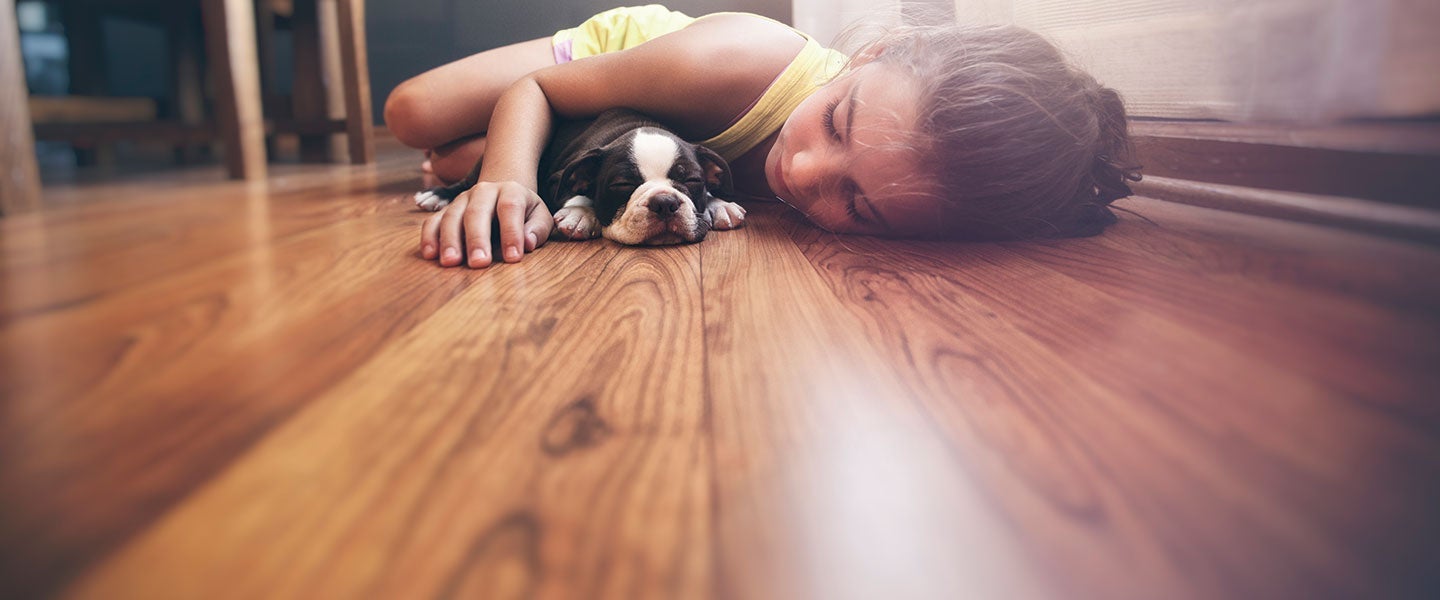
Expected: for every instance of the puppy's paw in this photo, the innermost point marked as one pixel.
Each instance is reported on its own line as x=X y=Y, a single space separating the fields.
x=430 y=201
x=577 y=222
x=725 y=215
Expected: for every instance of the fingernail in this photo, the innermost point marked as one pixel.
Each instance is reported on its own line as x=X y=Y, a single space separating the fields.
x=477 y=255
x=534 y=241
x=512 y=253
x=428 y=251
x=451 y=254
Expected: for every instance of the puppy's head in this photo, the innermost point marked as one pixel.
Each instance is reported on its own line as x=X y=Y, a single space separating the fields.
x=649 y=187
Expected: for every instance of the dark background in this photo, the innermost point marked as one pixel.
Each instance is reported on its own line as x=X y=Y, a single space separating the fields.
x=410 y=36
x=405 y=37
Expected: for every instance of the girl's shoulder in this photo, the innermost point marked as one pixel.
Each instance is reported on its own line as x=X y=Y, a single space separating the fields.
x=740 y=51
x=743 y=35
x=695 y=79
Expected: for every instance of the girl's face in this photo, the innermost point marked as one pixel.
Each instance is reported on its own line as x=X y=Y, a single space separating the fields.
x=845 y=157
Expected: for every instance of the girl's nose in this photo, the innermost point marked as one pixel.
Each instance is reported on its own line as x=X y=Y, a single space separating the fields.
x=808 y=170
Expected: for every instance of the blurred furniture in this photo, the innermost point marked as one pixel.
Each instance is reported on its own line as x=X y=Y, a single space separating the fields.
x=19 y=178
x=331 y=92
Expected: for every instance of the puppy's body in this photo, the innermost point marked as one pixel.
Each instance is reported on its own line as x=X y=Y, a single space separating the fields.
x=625 y=177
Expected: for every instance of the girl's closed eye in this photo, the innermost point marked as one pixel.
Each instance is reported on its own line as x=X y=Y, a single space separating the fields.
x=847 y=191
x=827 y=118
x=852 y=196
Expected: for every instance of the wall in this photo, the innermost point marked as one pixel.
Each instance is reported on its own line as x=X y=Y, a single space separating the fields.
x=824 y=19
x=1252 y=60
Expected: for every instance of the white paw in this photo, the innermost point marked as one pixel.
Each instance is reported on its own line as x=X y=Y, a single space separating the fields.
x=577 y=222
x=429 y=201
x=725 y=215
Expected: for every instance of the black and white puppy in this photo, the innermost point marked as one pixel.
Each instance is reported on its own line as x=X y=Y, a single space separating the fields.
x=627 y=178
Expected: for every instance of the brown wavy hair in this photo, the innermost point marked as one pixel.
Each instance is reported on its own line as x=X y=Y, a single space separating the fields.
x=1023 y=144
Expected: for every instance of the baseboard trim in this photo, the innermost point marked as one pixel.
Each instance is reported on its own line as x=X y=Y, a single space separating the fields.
x=1391 y=220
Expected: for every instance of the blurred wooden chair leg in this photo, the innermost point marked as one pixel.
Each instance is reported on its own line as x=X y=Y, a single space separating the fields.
x=20 y=179
x=230 y=31
x=313 y=92
x=355 y=63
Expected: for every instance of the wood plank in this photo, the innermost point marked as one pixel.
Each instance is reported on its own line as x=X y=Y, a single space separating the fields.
x=90 y=109
x=814 y=427
x=84 y=253
x=478 y=490
x=232 y=334
x=230 y=31
x=20 y=183
x=1120 y=479
x=1308 y=298
x=306 y=128
x=275 y=397
x=170 y=132
x=161 y=132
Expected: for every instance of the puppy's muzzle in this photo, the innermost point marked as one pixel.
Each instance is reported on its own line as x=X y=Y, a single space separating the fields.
x=658 y=214
x=664 y=204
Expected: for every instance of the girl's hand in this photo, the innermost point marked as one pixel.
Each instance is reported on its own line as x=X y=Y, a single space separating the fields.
x=462 y=230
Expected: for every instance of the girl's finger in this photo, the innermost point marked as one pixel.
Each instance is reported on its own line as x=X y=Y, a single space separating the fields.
x=430 y=236
x=538 y=226
x=450 y=241
x=477 y=228
x=510 y=215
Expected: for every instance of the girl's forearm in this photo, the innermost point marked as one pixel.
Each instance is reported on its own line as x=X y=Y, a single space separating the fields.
x=518 y=131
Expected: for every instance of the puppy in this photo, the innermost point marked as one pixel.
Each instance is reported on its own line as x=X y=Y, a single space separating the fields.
x=625 y=177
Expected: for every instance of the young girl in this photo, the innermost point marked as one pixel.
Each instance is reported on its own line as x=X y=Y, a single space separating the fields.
x=950 y=131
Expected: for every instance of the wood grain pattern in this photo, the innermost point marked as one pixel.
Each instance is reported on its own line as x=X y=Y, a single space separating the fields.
x=225 y=389
x=1180 y=434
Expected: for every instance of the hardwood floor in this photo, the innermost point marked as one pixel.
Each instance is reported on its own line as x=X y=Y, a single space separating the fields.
x=219 y=389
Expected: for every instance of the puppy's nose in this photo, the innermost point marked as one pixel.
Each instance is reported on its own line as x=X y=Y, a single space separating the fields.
x=664 y=204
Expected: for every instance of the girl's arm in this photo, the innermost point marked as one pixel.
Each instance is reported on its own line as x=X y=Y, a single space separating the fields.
x=505 y=193
x=696 y=81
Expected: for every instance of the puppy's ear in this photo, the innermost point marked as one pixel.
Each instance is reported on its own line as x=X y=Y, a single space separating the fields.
x=579 y=176
x=717 y=173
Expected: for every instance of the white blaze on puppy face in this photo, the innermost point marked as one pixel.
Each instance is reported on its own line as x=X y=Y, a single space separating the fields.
x=654 y=155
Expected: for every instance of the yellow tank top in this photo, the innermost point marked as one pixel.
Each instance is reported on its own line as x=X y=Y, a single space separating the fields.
x=622 y=28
